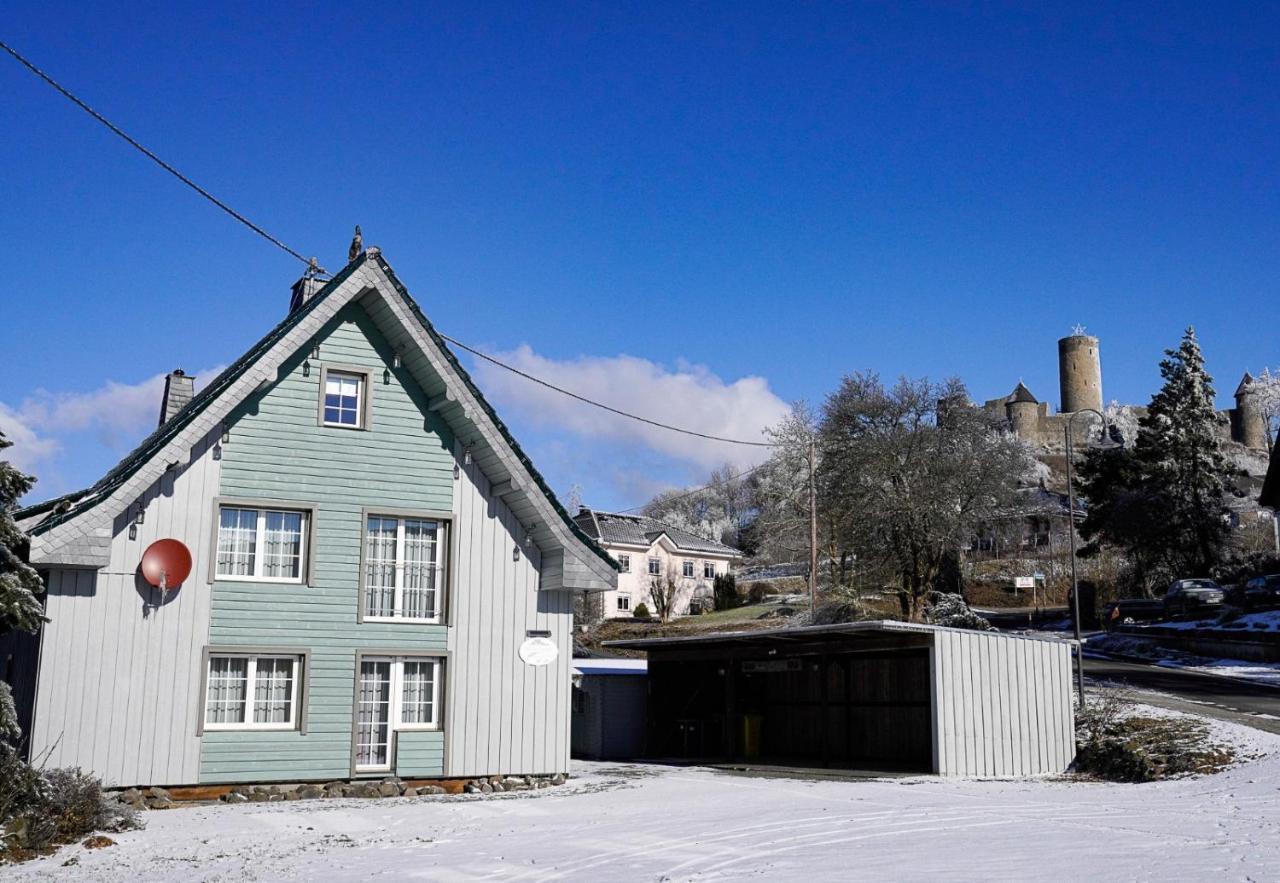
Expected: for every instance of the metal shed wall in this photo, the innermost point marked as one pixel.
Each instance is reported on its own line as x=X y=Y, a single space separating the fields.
x=1002 y=705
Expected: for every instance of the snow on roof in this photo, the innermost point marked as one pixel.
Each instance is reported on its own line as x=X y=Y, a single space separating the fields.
x=615 y=666
x=641 y=530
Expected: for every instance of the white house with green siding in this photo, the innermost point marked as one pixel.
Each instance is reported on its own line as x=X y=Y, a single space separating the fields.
x=374 y=559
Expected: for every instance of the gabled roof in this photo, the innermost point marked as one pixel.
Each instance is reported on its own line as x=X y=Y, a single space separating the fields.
x=640 y=530
x=1021 y=394
x=367 y=272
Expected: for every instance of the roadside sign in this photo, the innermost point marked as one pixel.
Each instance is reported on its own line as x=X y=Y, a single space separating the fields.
x=1024 y=582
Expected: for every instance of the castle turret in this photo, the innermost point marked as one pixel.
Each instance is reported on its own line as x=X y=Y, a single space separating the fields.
x=1023 y=412
x=1080 y=372
x=1248 y=426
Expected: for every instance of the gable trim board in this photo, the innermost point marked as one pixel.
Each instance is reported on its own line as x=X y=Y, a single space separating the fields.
x=144 y=677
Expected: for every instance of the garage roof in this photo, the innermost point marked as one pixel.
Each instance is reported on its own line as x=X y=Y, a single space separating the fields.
x=807 y=632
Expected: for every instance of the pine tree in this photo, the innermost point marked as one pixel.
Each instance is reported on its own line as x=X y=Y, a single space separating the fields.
x=1164 y=501
x=1179 y=452
x=19 y=583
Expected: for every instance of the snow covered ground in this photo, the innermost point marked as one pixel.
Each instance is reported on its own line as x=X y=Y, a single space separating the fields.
x=626 y=822
x=1261 y=621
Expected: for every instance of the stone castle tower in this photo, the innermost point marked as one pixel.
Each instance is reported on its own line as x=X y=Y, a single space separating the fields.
x=1248 y=425
x=1080 y=372
x=1080 y=378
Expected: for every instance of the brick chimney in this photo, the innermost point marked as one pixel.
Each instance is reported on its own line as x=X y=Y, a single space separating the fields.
x=178 y=390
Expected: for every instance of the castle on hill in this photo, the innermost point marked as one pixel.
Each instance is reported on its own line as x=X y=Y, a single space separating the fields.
x=1080 y=385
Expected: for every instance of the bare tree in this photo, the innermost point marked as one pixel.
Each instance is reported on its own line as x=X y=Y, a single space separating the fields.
x=780 y=489
x=717 y=511
x=908 y=474
x=664 y=592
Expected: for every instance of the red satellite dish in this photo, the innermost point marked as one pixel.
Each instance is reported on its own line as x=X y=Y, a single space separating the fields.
x=165 y=564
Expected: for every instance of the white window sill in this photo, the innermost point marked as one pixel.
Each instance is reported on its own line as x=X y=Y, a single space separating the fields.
x=231 y=728
x=235 y=578
x=403 y=619
x=417 y=728
x=341 y=425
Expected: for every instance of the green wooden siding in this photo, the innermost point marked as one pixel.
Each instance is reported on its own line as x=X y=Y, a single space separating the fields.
x=420 y=753
x=276 y=450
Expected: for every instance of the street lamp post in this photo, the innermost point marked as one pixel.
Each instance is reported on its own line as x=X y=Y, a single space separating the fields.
x=1105 y=442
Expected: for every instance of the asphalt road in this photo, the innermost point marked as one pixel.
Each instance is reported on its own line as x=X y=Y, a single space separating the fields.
x=1231 y=699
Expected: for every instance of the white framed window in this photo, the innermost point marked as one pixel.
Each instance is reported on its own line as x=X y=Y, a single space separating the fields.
x=708 y=570
x=624 y=563
x=261 y=544
x=624 y=603
x=404 y=561
x=655 y=566
x=252 y=692
x=686 y=568
x=344 y=399
x=396 y=693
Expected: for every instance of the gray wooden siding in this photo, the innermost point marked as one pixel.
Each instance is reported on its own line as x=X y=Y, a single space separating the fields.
x=501 y=714
x=277 y=450
x=1002 y=705
x=612 y=725
x=118 y=685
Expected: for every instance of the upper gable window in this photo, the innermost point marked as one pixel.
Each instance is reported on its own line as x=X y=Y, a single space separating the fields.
x=686 y=569
x=624 y=563
x=344 y=399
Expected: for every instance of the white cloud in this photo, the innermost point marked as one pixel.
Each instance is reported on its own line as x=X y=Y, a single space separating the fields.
x=115 y=415
x=29 y=447
x=691 y=396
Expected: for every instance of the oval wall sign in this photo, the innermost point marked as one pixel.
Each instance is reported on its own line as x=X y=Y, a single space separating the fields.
x=539 y=651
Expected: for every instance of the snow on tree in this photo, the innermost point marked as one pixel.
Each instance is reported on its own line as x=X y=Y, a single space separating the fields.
x=1123 y=420
x=19 y=583
x=717 y=511
x=908 y=474
x=1265 y=394
x=1164 y=501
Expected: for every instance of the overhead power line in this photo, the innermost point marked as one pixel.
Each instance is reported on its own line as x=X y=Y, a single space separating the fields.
x=573 y=395
x=147 y=153
x=276 y=242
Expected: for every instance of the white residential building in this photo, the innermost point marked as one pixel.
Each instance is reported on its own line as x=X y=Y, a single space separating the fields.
x=647 y=549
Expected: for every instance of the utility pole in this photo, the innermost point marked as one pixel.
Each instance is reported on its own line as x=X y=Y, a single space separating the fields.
x=813 y=525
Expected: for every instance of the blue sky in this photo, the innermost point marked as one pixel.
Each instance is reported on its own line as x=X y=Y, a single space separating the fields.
x=702 y=212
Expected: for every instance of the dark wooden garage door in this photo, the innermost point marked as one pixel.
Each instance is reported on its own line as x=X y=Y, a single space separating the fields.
x=844 y=710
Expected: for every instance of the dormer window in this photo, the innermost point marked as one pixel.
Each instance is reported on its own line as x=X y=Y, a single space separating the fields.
x=344 y=397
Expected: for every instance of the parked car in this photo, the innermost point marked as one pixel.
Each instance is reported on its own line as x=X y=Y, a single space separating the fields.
x=1261 y=592
x=1192 y=596
x=1131 y=610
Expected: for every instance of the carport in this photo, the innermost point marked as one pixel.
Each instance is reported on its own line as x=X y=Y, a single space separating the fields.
x=879 y=696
